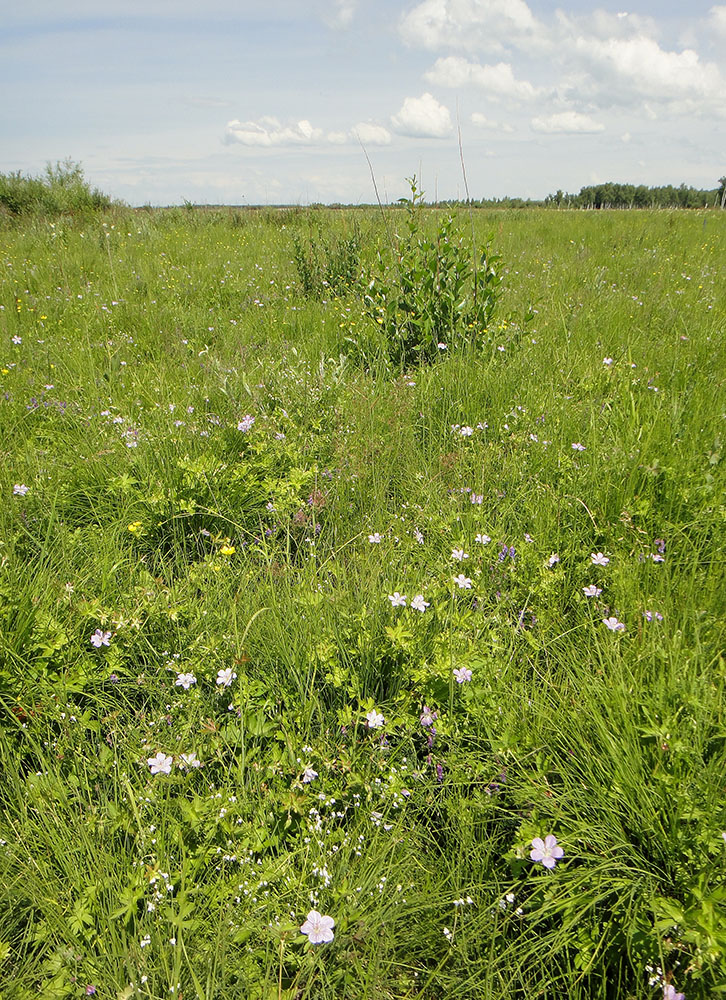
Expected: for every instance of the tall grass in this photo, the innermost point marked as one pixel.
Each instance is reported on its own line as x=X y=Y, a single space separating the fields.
x=134 y=345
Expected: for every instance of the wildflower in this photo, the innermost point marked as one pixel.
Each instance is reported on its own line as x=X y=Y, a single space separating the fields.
x=160 y=764
x=318 y=928
x=669 y=993
x=90 y=990
x=483 y=539
x=145 y=941
x=459 y=555
x=418 y=536
x=462 y=675
x=553 y=559
x=547 y=851
x=463 y=582
x=246 y=423
x=650 y=615
x=657 y=557
x=187 y=760
x=20 y=489
x=660 y=544
x=17 y=339
x=374 y=720
x=185 y=681
x=397 y=600
x=591 y=590
x=613 y=624
x=419 y=604
x=375 y=538
x=598 y=559
x=447 y=934
x=100 y=638
x=607 y=361
x=225 y=677
x=309 y=774
x=441 y=347
x=427 y=717
x=577 y=446
x=227 y=550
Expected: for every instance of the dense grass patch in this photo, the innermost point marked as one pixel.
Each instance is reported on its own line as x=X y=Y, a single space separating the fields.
x=285 y=627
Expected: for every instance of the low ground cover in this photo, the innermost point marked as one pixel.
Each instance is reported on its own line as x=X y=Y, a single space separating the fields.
x=291 y=631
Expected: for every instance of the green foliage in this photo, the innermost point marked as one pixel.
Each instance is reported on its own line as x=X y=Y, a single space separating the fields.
x=60 y=190
x=327 y=267
x=434 y=291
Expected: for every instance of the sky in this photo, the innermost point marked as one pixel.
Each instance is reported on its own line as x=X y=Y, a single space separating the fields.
x=303 y=101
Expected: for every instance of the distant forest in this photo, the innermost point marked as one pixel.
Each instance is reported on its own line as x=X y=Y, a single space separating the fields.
x=611 y=195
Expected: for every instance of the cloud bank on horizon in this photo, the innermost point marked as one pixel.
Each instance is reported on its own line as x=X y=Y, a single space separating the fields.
x=162 y=102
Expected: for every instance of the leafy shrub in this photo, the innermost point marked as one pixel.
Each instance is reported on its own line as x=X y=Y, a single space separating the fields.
x=435 y=291
x=61 y=189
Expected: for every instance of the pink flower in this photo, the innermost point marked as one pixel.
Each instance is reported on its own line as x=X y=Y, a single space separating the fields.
x=669 y=993
x=462 y=675
x=598 y=559
x=100 y=638
x=546 y=851
x=318 y=928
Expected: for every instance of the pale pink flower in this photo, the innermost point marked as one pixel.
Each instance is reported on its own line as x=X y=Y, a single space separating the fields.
x=598 y=559
x=100 y=638
x=419 y=604
x=397 y=600
x=374 y=720
x=160 y=764
x=546 y=851
x=463 y=582
x=591 y=590
x=462 y=675
x=613 y=624
x=319 y=928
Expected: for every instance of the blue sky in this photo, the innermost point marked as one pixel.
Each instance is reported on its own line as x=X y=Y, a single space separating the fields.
x=255 y=103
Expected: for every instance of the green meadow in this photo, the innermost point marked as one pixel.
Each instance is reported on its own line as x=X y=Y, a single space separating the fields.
x=295 y=627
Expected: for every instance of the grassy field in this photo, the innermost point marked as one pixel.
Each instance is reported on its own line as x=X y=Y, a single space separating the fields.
x=284 y=629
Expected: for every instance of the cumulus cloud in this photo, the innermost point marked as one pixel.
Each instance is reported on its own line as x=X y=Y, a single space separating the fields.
x=639 y=66
x=269 y=132
x=469 y=24
x=566 y=122
x=497 y=80
x=481 y=121
x=371 y=135
x=423 y=117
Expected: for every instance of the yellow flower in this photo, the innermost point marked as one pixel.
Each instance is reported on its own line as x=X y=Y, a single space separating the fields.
x=227 y=550
x=135 y=527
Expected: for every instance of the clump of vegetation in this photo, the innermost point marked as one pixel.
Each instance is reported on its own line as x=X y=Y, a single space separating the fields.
x=61 y=189
x=328 y=266
x=435 y=294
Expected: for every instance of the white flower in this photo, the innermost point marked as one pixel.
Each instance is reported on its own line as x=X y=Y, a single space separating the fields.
x=462 y=675
x=613 y=624
x=374 y=720
x=225 y=677
x=577 y=446
x=161 y=764
x=418 y=536
x=185 y=681
x=419 y=604
x=318 y=928
x=20 y=489
x=554 y=558
x=246 y=423
x=187 y=760
x=466 y=432
x=483 y=539
x=100 y=638
x=463 y=582
x=459 y=555
x=607 y=361
x=397 y=600
x=375 y=538
x=591 y=590
x=309 y=774
x=598 y=559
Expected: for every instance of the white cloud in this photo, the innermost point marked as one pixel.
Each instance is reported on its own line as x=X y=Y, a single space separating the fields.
x=269 y=132
x=640 y=67
x=499 y=80
x=469 y=24
x=340 y=13
x=718 y=20
x=423 y=117
x=564 y=122
x=371 y=135
x=337 y=138
x=481 y=121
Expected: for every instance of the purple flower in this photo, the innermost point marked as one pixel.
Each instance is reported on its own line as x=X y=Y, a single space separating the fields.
x=659 y=544
x=462 y=675
x=650 y=615
x=427 y=717
x=246 y=423
x=439 y=773
x=669 y=993
x=100 y=638
x=613 y=624
x=546 y=851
